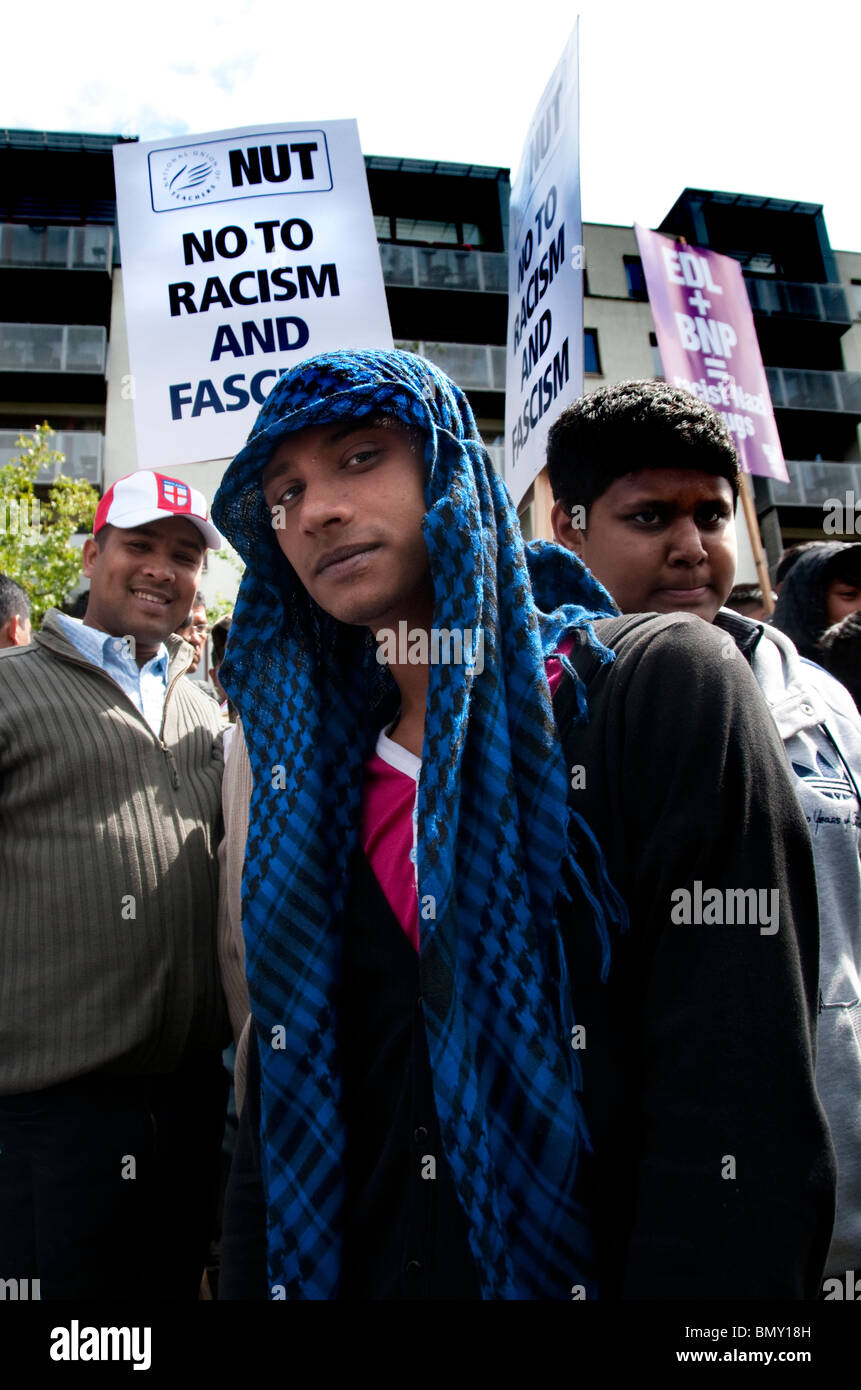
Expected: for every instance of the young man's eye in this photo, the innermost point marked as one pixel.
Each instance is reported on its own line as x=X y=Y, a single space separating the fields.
x=286 y=496
x=362 y=456
x=647 y=516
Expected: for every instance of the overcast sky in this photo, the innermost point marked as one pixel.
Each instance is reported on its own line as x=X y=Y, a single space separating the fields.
x=752 y=97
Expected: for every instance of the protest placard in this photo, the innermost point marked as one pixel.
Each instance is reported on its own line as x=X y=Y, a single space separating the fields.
x=544 y=362
x=243 y=252
x=708 y=343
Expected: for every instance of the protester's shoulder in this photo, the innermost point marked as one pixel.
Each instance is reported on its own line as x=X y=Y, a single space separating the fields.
x=21 y=662
x=204 y=704
x=663 y=640
x=674 y=670
x=16 y=653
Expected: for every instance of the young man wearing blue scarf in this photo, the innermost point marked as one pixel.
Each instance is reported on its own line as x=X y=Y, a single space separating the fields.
x=475 y=1070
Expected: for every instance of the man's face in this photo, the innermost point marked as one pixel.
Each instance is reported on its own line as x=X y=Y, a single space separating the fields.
x=195 y=631
x=347 y=504
x=841 y=599
x=143 y=581
x=661 y=541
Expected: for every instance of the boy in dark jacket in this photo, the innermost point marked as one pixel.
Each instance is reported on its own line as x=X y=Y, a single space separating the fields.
x=646 y=477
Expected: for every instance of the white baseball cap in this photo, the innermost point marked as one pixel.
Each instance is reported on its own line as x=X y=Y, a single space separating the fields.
x=146 y=496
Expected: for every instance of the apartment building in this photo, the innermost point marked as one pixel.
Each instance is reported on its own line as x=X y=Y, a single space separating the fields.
x=57 y=253
x=806 y=301
x=442 y=232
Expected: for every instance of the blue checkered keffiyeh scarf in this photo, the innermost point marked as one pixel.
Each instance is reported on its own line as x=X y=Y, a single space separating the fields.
x=493 y=832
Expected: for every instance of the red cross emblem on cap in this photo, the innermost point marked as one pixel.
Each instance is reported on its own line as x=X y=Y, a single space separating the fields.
x=174 y=494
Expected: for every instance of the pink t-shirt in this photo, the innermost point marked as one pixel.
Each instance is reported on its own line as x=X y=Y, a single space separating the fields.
x=555 y=669
x=389 y=828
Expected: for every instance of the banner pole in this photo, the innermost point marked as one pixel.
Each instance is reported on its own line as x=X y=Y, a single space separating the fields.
x=749 y=508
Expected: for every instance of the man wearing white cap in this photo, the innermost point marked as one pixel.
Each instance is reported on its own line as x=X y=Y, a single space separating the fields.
x=112 y=1018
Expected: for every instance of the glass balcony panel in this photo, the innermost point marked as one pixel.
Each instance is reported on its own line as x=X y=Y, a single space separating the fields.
x=810 y=390
x=790 y=494
x=398 y=264
x=494 y=268
x=799 y=390
x=801 y=300
x=92 y=248
x=84 y=450
x=427 y=267
x=473 y=366
x=31 y=347
x=809 y=301
x=465 y=363
x=447 y=270
x=835 y=305
x=73 y=248
x=813 y=483
x=764 y=296
x=497 y=367
x=849 y=386
x=52 y=347
x=85 y=350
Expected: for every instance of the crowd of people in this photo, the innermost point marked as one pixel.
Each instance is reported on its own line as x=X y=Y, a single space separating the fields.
x=536 y=976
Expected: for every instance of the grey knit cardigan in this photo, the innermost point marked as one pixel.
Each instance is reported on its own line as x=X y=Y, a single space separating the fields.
x=108 y=875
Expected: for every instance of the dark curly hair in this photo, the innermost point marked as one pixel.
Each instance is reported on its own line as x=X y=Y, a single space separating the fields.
x=632 y=425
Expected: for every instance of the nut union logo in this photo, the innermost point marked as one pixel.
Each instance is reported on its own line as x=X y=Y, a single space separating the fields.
x=191 y=175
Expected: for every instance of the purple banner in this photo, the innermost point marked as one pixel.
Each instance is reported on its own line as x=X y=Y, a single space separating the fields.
x=708 y=343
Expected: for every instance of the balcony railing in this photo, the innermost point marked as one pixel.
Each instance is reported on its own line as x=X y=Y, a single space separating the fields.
x=56 y=248
x=801 y=390
x=811 y=484
x=474 y=366
x=83 y=450
x=437 y=268
x=827 y=303
x=52 y=347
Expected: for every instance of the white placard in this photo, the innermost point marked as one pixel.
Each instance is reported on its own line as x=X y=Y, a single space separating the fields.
x=544 y=364
x=244 y=251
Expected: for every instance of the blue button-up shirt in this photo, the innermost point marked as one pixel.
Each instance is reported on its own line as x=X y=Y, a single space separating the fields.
x=145 y=685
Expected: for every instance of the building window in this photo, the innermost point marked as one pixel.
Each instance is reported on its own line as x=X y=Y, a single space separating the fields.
x=657 y=364
x=856 y=297
x=591 y=360
x=756 y=262
x=423 y=231
x=636 y=278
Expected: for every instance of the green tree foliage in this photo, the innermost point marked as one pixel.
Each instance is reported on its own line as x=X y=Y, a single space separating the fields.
x=216 y=608
x=36 y=547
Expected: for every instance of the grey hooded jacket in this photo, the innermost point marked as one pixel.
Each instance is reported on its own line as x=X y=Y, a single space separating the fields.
x=821 y=731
